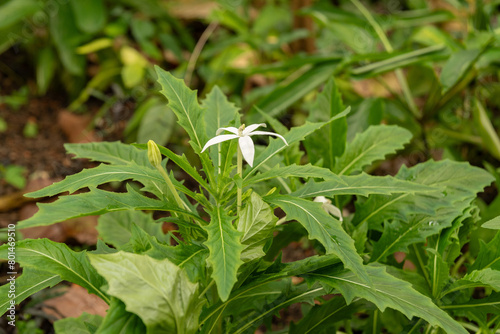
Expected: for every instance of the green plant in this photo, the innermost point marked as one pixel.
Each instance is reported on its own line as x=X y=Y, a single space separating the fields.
x=224 y=273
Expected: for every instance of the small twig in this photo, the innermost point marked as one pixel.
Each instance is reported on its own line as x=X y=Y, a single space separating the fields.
x=197 y=51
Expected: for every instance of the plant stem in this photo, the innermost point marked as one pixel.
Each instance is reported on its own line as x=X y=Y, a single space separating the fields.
x=239 y=160
x=171 y=186
x=388 y=47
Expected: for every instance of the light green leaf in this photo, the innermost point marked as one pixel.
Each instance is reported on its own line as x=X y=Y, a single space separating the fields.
x=102 y=174
x=13 y=11
x=115 y=227
x=225 y=251
x=58 y=259
x=489 y=255
x=328 y=142
x=454 y=182
x=256 y=223
x=118 y=320
x=457 y=67
x=388 y=291
x=163 y=297
x=302 y=171
x=80 y=325
x=31 y=281
x=95 y=202
x=115 y=153
x=362 y=184
x=493 y=224
x=46 y=66
x=371 y=145
x=90 y=15
x=486 y=130
x=324 y=228
x=157 y=124
x=184 y=103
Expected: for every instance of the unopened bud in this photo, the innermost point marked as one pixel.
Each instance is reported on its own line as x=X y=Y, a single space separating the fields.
x=154 y=154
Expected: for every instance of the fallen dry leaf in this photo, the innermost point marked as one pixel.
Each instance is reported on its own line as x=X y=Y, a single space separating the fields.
x=75 y=127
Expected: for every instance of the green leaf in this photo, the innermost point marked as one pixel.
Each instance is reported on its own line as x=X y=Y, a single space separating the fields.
x=288 y=92
x=115 y=227
x=30 y=282
x=295 y=134
x=454 y=182
x=486 y=130
x=46 y=65
x=157 y=124
x=457 y=67
x=118 y=320
x=163 y=297
x=493 y=224
x=489 y=255
x=477 y=309
x=388 y=291
x=115 y=153
x=477 y=278
x=102 y=174
x=58 y=259
x=324 y=228
x=322 y=318
x=78 y=325
x=328 y=142
x=67 y=38
x=14 y=11
x=95 y=202
x=90 y=15
x=225 y=251
x=371 y=145
x=302 y=171
x=256 y=223
x=184 y=103
x=362 y=184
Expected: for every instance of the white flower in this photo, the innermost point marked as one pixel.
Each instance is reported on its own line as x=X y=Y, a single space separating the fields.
x=243 y=134
x=329 y=207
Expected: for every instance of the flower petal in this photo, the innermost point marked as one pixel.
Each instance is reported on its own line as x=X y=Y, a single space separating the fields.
x=218 y=139
x=247 y=149
x=230 y=129
x=268 y=134
x=252 y=127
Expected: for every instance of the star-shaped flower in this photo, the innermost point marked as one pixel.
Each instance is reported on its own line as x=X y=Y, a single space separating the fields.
x=244 y=141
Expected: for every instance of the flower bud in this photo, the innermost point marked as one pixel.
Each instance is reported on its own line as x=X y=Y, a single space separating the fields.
x=154 y=154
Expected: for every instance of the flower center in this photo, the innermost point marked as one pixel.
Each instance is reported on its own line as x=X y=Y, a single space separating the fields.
x=240 y=130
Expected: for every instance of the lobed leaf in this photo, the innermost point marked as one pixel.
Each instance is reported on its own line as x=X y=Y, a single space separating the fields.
x=163 y=297
x=225 y=251
x=371 y=145
x=115 y=153
x=388 y=291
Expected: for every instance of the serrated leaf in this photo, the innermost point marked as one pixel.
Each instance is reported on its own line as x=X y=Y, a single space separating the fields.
x=184 y=103
x=55 y=258
x=371 y=145
x=115 y=153
x=102 y=174
x=362 y=184
x=219 y=112
x=118 y=320
x=324 y=228
x=328 y=142
x=78 y=325
x=31 y=281
x=489 y=255
x=225 y=251
x=388 y=291
x=302 y=171
x=163 y=297
x=256 y=223
x=115 y=227
x=493 y=224
x=477 y=278
x=454 y=182
x=95 y=202
x=477 y=308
